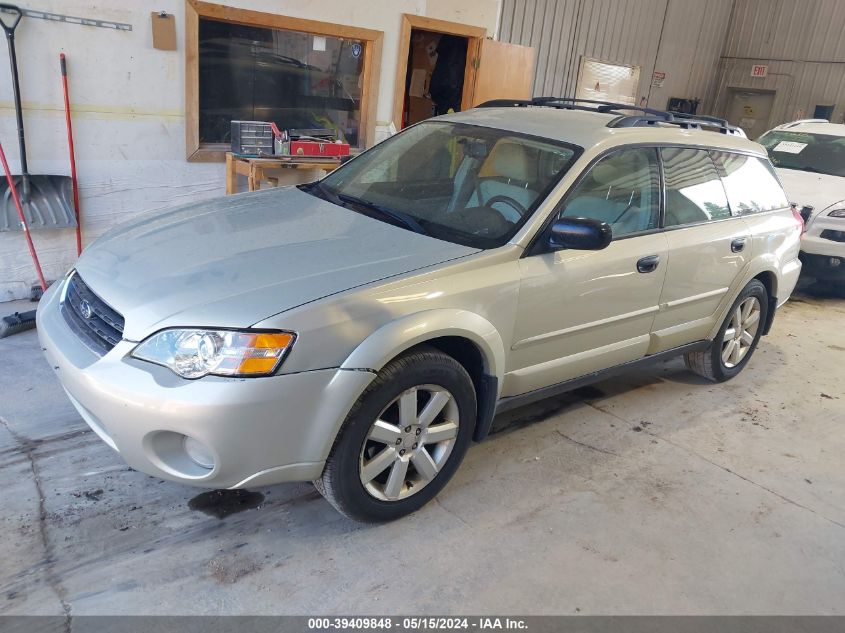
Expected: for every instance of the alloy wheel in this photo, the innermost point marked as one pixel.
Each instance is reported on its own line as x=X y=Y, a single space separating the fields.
x=409 y=442
x=741 y=332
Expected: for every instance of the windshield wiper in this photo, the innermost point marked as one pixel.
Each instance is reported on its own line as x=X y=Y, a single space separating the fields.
x=318 y=189
x=397 y=216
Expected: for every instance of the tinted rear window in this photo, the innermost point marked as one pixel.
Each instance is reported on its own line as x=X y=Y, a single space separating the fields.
x=750 y=183
x=694 y=191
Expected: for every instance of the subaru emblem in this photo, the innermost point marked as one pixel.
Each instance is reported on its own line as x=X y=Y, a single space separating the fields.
x=85 y=309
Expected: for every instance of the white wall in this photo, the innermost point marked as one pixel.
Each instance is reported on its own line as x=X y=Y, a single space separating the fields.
x=128 y=109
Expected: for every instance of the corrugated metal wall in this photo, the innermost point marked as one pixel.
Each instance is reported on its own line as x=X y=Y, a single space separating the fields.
x=623 y=32
x=801 y=42
x=707 y=47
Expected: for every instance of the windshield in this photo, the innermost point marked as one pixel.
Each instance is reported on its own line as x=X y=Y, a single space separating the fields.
x=466 y=184
x=818 y=153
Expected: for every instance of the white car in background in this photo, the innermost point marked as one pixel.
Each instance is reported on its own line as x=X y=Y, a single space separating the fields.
x=809 y=156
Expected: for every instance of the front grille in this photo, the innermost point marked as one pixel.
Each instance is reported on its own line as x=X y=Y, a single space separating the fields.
x=830 y=234
x=806 y=212
x=98 y=325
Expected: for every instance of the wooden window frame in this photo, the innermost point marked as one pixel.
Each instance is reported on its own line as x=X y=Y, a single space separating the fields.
x=196 y=9
x=474 y=35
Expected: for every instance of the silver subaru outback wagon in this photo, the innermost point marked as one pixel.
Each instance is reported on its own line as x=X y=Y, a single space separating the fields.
x=361 y=331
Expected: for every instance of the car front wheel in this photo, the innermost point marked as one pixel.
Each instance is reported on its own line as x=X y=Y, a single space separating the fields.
x=403 y=439
x=737 y=338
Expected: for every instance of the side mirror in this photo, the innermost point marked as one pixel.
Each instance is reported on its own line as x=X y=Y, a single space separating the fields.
x=581 y=234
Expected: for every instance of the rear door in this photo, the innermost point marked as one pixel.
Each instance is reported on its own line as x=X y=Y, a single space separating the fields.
x=581 y=311
x=754 y=189
x=708 y=242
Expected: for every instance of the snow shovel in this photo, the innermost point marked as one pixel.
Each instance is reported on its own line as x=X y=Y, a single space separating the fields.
x=47 y=200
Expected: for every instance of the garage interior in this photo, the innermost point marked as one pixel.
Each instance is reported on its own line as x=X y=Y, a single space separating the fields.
x=656 y=493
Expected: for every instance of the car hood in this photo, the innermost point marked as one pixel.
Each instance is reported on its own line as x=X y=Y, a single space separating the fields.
x=235 y=261
x=816 y=190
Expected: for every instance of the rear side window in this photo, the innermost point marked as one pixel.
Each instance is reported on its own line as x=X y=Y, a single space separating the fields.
x=620 y=189
x=750 y=182
x=694 y=191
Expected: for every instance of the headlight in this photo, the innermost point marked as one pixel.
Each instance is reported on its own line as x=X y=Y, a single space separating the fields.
x=194 y=353
x=837 y=213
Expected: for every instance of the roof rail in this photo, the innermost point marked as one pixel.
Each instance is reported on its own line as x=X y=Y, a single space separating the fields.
x=571 y=103
x=800 y=121
x=648 y=116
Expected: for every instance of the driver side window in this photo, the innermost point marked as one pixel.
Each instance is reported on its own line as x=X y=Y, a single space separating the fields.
x=621 y=189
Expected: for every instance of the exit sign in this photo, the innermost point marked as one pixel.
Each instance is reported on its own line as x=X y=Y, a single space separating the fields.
x=759 y=70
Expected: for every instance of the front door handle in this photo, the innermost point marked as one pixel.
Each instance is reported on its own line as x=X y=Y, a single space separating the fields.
x=648 y=264
x=738 y=244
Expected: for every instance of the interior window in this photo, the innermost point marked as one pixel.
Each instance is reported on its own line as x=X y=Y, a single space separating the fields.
x=750 y=182
x=253 y=73
x=622 y=190
x=694 y=191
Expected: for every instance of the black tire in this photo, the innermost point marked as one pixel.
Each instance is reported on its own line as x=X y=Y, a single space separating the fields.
x=341 y=483
x=708 y=363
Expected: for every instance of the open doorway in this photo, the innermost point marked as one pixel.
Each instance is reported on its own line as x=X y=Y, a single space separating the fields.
x=446 y=65
x=436 y=68
x=434 y=81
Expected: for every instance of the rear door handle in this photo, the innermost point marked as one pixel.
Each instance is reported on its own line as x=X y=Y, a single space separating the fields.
x=738 y=244
x=648 y=264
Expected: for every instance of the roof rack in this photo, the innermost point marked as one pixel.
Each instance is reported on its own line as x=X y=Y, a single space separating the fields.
x=647 y=116
x=800 y=121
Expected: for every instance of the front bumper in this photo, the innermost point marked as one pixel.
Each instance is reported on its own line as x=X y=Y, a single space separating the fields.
x=259 y=430
x=824 y=267
x=823 y=236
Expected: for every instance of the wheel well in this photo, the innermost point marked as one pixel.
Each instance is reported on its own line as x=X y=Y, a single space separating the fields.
x=769 y=280
x=472 y=359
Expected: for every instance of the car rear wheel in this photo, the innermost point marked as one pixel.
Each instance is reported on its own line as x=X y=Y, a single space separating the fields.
x=403 y=439
x=737 y=338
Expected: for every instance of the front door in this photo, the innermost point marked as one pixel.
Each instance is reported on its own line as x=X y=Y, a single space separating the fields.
x=582 y=311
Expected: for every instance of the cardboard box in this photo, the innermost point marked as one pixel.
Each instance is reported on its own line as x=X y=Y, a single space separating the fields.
x=419 y=109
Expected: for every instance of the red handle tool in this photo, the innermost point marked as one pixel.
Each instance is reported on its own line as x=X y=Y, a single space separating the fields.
x=72 y=156
x=24 y=225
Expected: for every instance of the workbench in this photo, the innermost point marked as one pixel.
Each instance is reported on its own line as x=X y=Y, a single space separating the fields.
x=254 y=168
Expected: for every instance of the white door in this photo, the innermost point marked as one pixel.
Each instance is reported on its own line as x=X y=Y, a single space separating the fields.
x=603 y=81
x=750 y=110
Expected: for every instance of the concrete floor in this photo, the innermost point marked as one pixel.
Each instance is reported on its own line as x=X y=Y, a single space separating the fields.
x=652 y=494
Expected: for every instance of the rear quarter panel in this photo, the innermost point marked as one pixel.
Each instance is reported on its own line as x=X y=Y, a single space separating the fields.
x=775 y=243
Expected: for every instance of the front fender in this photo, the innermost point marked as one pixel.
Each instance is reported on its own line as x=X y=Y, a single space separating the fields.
x=393 y=338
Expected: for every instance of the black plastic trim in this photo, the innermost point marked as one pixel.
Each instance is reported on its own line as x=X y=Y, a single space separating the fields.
x=770 y=317
x=512 y=402
x=649 y=116
x=486 y=406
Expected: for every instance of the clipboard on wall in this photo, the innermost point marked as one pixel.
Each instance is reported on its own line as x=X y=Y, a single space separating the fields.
x=164 y=30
